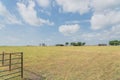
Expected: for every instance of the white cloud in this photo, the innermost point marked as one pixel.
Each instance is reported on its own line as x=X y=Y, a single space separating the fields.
x=112 y=33
x=116 y=30
x=69 y=29
x=77 y=21
x=102 y=5
x=83 y=6
x=1 y=26
x=79 y=6
x=8 y=18
x=95 y=37
x=43 y=3
x=102 y=20
x=29 y=14
x=106 y=13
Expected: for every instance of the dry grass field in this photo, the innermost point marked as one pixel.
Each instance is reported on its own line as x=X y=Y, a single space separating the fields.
x=71 y=63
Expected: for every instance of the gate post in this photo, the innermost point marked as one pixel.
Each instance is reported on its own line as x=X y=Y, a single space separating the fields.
x=3 y=58
x=21 y=64
x=10 y=63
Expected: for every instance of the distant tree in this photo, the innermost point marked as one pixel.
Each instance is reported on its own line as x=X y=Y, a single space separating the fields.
x=75 y=44
x=83 y=43
x=59 y=45
x=43 y=44
x=72 y=43
x=79 y=43
x=67 y=43
x=111 y=43
x=114 y=43
x=102 y=44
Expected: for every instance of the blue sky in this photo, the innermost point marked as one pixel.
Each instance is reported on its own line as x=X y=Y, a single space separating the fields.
x=31 y=22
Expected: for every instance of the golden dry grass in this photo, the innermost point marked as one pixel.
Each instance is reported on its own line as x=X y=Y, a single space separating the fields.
x=72 y=63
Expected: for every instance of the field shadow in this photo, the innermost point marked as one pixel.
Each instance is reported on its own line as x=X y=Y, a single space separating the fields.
x=29 y=75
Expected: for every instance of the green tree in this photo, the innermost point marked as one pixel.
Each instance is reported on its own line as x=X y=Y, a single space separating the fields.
x=111 y=43
x=59 y=45
x=114 y=42
x=83 y=43
x=119 y=42
x=79 y=44
x=67 y=43
x=73 y=44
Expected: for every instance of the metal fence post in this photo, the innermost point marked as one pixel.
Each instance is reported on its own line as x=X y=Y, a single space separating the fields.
x=21 y=64
x=3 y=59
x=10 y=63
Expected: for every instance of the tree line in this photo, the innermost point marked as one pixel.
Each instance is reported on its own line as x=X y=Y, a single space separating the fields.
x=72 y=44
x=111 y=43
x=114 y=43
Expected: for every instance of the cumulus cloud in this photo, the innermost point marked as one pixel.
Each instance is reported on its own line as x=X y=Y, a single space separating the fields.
x=69 y=29
x=8 y=18
x=102 y=20
x=29 y=14
x=112 y=33
x=79 y=6
x=106 y=13
x=102 y=5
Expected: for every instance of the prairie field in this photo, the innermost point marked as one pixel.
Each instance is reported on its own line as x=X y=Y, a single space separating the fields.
x=71 y=63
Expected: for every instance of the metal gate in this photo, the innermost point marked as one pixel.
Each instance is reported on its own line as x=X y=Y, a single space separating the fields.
x=11 y=65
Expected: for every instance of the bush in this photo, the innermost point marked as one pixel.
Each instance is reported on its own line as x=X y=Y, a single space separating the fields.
x=59 y=45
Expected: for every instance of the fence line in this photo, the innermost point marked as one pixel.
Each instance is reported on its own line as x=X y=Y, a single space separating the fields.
x=9 y=61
